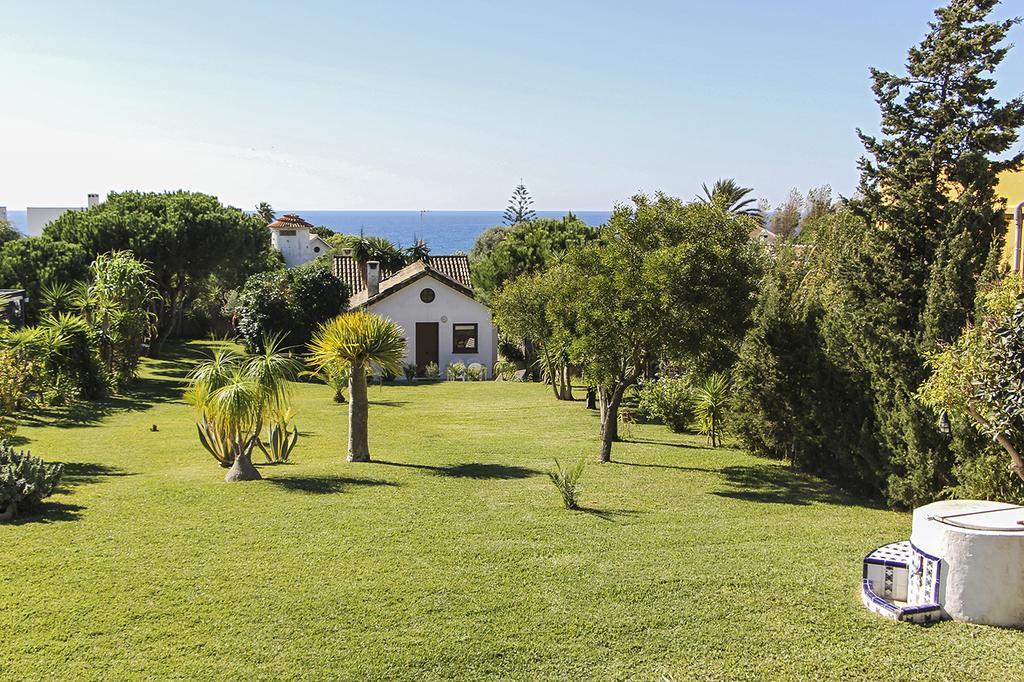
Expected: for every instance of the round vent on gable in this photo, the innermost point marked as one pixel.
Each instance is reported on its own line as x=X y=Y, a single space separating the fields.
x=427 y=295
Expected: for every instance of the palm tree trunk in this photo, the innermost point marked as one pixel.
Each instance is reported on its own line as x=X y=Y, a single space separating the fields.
x=358 y=441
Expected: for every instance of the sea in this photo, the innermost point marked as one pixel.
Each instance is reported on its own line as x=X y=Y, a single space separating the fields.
x=444 y=232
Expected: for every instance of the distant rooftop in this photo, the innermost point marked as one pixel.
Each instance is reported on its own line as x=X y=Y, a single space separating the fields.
x=289 y=221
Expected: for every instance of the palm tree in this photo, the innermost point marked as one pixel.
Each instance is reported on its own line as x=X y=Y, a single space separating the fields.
x=727 y=195
x=712 y=398
x=234 y=395
x=355 y=342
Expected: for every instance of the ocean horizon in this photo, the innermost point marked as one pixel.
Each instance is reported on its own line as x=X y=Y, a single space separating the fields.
x=444 y=231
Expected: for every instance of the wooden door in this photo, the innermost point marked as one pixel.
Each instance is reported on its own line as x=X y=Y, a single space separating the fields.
x=426 y=346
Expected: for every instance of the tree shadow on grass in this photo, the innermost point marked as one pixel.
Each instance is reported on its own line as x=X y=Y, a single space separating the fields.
x=667 y=466
x=47 y=512
x=610 y=514
x=325 y=485
x=775 y=484
x=166 y=383
x=661 y=443
x=473 y=470
x=75 y=474
x=388 y=403
x=82 y=473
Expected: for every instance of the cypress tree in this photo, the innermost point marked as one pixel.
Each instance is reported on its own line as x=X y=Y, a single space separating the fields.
x=935 y=225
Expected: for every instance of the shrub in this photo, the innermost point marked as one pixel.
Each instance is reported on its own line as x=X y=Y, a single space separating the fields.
x=567 y=480
x=456 y=370
x=409 y=370
x=292 y=302
x=667 y=400
x=476 y=372
x=505 y=370
x=432 y=371
x=15 y=378
x=24 y=481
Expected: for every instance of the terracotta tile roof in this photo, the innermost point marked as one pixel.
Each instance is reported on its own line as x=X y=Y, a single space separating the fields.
x=289 y=221
x=455 y=268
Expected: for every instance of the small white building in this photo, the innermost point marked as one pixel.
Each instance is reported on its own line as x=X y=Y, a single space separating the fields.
x=38 y=217
x=290 y=235
x=433 y=301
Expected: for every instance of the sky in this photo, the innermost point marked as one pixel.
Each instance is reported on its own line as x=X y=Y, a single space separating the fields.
x=443 y=105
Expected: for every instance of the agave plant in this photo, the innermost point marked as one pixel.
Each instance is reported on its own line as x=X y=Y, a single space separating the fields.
x=280 y=441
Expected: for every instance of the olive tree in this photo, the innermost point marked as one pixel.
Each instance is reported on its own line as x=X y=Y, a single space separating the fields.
x=664 y=280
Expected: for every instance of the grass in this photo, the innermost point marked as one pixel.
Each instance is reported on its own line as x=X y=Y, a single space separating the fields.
x=451 y=557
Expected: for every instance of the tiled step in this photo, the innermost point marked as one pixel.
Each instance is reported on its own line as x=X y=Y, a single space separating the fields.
x=900 y=582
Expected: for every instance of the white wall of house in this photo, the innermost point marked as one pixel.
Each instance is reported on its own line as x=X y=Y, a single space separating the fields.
x=448 y=308
x=38 y=217
x=297 y=248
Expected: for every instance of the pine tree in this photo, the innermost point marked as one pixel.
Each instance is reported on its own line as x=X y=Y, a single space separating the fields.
x=519 y=210
x=935 y=225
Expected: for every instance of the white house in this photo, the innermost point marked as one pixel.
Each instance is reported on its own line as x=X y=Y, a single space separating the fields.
x=290 y=235
x=38 y=217
x=433 y=301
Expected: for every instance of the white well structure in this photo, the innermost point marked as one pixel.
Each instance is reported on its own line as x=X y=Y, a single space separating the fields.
x=964 y=560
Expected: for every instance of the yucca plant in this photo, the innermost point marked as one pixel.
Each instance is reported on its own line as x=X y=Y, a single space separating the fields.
x=567 y=480
x=280 y=441
x=711 y=401
x=356 y=342
x=432 y=371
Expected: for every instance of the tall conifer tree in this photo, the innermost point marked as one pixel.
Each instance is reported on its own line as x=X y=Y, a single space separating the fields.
x=935 y=224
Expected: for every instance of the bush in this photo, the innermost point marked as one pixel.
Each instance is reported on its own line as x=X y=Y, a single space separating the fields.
x=432 y=371
x=24 y=481
x=667 y=400
x=567 y=480
x=505 y=370
x=292 y=302
x=409 y=370
x=456 y=371
x=476 y=372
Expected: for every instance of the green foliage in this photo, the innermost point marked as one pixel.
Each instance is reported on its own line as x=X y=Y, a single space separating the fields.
x=16 y=373
x=7 y=232
x=455 y=371
x=567 y=481
x=280 y=441
x=292 y=302
x=117 y=302
x=235 y=394
x=935 y=228
x=24 y=481
x=525 y=247
x=711 y=400
x=505 y=370
x=729 y=196
x=358 y=340
x=519 y=207
x=432 y=371
x=476 y=372
x=187 y=238
x=977 y=378
x=668 y=400
x=34 y=263
x=796 y=394
x=409 y=371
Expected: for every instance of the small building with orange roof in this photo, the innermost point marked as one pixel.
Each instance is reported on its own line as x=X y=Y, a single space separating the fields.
x=290 y=235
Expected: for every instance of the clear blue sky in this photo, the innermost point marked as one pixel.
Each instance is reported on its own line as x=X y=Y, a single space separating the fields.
x=442 y=105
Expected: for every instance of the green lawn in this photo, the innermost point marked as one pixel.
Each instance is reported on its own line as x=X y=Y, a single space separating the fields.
x=449 y=557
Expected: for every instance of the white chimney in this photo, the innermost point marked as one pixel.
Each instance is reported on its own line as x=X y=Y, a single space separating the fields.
x=3 y=213
x=372 y=278
x=93 y=200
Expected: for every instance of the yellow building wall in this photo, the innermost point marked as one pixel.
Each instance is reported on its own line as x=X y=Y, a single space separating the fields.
x=1011 y=188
